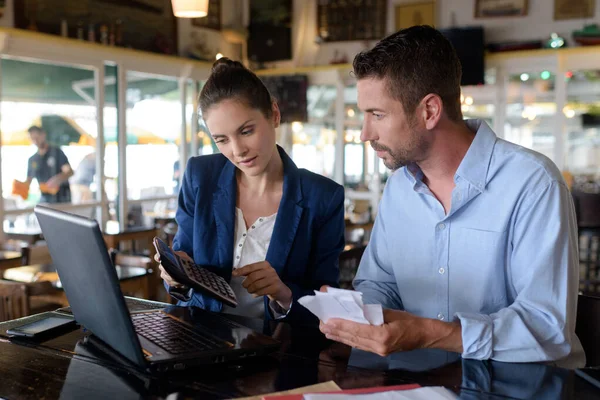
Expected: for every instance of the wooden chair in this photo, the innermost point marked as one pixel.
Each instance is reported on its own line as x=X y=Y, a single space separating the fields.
x=14 y=249
x=36 y=254
x=588 y=328
x=19 y=300
x=349 y=261
x=14 y=301
x=131 y=260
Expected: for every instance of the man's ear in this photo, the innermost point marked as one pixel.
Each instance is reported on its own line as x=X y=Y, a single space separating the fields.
x=433 y=107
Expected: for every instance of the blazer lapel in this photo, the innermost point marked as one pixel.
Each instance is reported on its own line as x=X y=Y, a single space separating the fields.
x=224 y=213
x=288 y=216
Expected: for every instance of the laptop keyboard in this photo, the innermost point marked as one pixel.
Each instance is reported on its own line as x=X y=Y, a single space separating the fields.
x=133 y=304
x=171 y=335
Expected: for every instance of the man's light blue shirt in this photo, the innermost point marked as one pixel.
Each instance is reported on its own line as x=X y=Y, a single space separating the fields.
x=503 y=260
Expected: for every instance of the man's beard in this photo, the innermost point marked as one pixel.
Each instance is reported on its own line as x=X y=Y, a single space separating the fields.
x=414 y=152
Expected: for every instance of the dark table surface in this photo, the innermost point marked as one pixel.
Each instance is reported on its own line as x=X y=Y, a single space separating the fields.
x=66 y=367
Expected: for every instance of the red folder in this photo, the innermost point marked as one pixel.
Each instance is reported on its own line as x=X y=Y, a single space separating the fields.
x=349 y=391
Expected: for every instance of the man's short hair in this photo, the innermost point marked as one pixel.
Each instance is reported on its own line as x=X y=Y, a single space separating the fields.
x=415 y=62
x=35 y=129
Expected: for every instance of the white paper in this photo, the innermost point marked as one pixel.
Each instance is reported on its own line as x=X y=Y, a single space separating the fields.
x=424 y=393
x=344 y=304
x=374 y=313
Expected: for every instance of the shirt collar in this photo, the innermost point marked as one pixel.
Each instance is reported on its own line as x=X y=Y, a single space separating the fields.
x=413 y=173
x=474 y=166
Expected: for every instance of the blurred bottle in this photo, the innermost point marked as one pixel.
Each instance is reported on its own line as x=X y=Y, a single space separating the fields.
x=64 y=28
x=119 y=33
x=104 y=34
x=80 y=33
x=91 y=33
x=111 y=35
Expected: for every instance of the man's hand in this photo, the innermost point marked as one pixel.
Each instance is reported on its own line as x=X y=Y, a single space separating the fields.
x=262 y=280
x=165 y=275
x=401 y=331
x=54 y=182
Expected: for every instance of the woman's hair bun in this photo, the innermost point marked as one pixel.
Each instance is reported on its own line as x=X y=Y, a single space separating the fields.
x=224 y=63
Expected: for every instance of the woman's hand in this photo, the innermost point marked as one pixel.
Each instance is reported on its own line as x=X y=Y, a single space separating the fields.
x=165 y=275
x=262 y=280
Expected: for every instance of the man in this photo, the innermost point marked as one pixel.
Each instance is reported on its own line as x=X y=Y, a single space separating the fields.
x=50 y=166
x=474 y=249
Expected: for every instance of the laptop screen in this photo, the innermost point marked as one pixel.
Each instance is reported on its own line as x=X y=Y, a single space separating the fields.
x=89 y=279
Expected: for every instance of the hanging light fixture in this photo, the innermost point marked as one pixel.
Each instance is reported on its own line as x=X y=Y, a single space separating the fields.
x=190 y=8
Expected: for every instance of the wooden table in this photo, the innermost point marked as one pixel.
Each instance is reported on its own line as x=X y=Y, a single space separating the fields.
x=64 y=367
x=133 y=280
x=10 y=259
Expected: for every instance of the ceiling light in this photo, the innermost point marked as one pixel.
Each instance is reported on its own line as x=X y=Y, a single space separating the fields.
x=190 y=8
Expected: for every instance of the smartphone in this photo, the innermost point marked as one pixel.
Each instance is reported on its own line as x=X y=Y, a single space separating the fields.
x=44 y=327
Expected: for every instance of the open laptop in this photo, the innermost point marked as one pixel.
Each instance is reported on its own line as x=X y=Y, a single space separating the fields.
x=173 y=338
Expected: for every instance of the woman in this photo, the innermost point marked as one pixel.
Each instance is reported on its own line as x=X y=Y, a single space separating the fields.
x=249 y=213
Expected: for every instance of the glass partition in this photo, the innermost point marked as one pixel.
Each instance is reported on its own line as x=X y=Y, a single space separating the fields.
x=48 y=135
x=582 y=112
x=530 y=111
x=154 y=118
x=313 y=142
x=153 y=131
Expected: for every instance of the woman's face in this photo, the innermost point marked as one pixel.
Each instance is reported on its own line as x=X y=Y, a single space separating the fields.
x=243 y=134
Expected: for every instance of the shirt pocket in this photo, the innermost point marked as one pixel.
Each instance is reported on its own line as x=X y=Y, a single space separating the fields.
x=477 y=264
x=479 y=245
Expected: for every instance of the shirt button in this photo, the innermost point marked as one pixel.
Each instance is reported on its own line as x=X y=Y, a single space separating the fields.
x=244 y=235
x=440 y=316
x=253 y=227
x=441 y=271
x=260 y=220
x=238 y=257
x=240 y=245
x=441 y=227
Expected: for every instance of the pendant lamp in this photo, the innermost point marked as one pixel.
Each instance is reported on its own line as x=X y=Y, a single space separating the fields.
x=190 y=8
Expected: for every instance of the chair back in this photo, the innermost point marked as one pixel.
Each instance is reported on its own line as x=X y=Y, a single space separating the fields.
x=36 y=254
x=14 y=301
x=588 y=328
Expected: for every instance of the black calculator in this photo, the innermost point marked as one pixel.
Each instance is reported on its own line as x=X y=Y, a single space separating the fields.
x=195 y=276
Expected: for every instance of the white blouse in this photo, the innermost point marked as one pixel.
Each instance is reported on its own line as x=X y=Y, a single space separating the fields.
x=250 y=246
